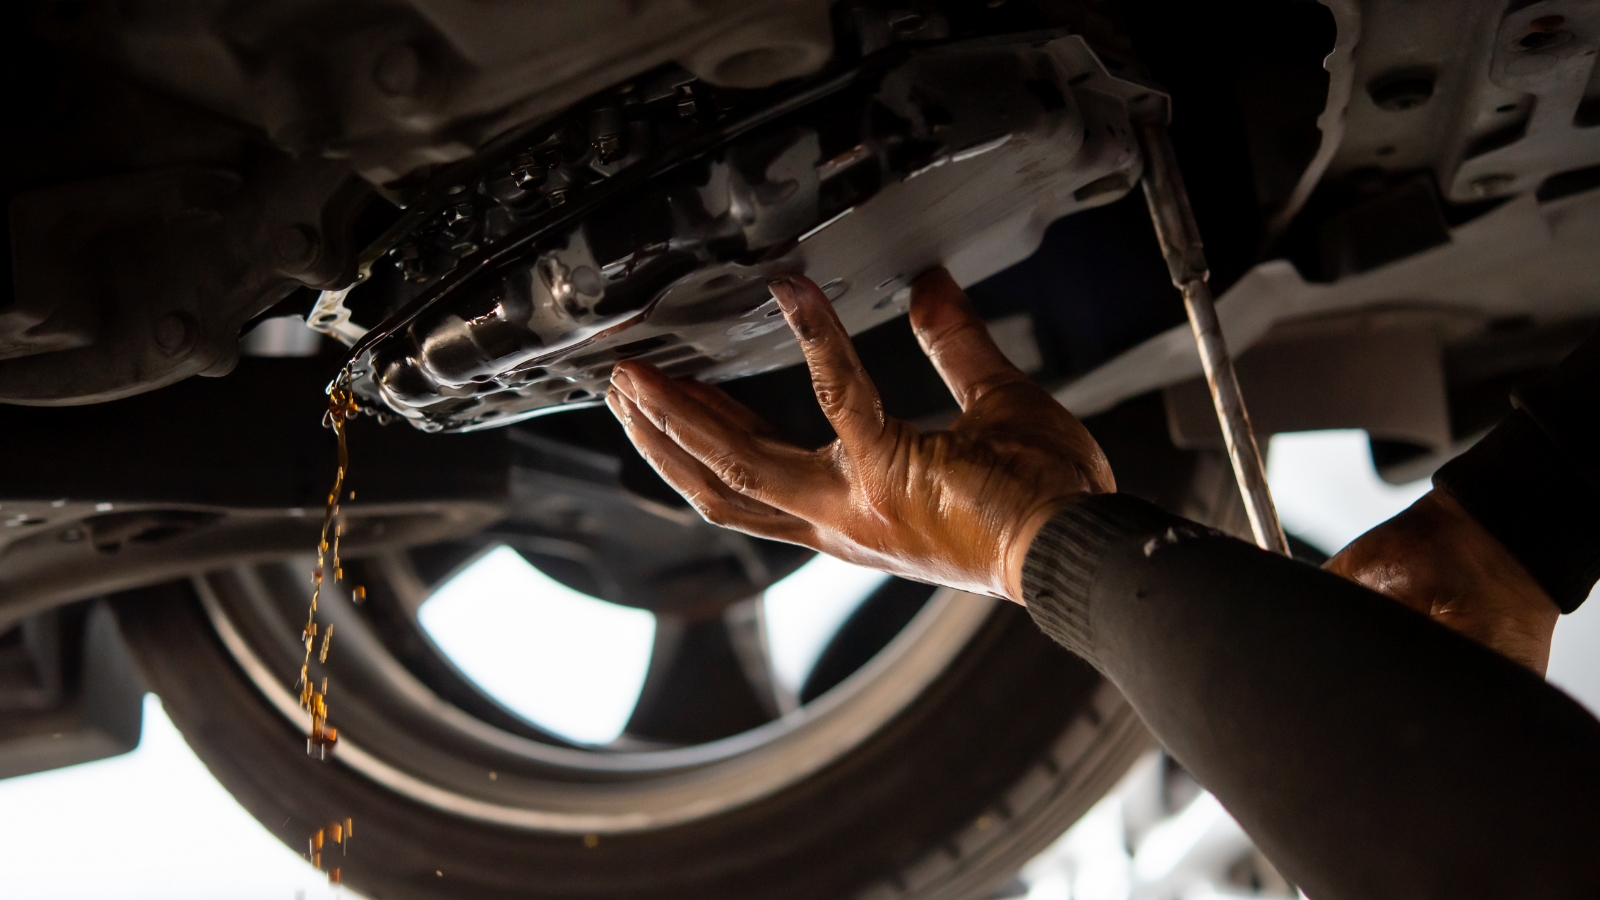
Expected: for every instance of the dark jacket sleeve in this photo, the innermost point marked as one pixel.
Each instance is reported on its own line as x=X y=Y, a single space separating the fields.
x=1370 y=752
x=1534 y=480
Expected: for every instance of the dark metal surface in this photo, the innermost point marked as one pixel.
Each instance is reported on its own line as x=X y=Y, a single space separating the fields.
x=558 y=259
x=69 y=693
x=165 y=484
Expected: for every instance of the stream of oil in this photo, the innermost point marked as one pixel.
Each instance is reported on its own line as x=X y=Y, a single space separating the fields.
x=322 y=740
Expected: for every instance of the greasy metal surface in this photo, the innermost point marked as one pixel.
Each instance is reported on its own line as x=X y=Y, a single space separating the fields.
x=861 y=183
x=1523 y=262
x=1341 y=78
x=395 y=87
x=1545 y=51
x=1181 y=245
x=209 y=158
x=1503 y=83
x=133 y=281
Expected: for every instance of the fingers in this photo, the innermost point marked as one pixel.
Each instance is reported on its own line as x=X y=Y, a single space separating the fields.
x=777 y=474
x=735 y=411
x=957 y=341
x=848 y=397
x=716 y=502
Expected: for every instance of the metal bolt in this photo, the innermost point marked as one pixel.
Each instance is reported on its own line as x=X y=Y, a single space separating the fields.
x=174 y=333
x=557 y=197
x=296 y=247
x=410 y=262
x=608 y=146
x=398 y=71
x=605 y=130
x=526 y=171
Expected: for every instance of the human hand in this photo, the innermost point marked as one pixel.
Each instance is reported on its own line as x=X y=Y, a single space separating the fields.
x=1435 y=558
x=957 y=507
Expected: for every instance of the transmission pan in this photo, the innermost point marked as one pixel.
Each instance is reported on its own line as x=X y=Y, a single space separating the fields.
x=957 y=155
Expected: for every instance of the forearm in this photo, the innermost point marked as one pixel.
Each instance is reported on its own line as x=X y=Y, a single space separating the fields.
x=1370 y=752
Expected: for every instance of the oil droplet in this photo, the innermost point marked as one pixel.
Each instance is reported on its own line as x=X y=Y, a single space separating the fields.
x=341 y=408
x=322 y=740
x=591 y=841
x=333 y=832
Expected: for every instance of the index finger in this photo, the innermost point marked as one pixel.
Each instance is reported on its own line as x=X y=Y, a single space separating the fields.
x=847 y=395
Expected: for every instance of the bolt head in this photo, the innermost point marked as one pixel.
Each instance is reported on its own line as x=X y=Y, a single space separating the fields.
x=296 y=247
x=398 y=71
x=174 y=333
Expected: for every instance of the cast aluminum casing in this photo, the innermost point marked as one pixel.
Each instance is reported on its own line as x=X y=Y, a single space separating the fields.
x=957 y=155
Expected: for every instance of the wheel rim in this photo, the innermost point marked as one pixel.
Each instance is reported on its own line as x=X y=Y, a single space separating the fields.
x=398 y=732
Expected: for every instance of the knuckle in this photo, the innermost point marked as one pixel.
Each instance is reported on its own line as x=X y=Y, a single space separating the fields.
x=733 y=472
x=828 y=396
x=834 y=392
x=708 y=508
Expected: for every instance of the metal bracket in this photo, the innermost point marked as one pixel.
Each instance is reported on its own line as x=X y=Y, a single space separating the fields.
x=330 y=317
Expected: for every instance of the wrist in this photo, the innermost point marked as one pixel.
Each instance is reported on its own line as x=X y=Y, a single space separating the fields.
x=1016 y=553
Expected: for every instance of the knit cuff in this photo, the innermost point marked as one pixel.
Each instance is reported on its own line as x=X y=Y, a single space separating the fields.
x=1523 y=490
x=1065 y=556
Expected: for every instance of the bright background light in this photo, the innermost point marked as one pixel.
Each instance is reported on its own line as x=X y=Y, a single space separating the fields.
x=1326 y=489
x=148 y=825
x=804 y=612
x=560 y=658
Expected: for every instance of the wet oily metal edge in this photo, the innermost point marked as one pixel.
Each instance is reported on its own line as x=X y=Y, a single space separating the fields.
x=515 y=247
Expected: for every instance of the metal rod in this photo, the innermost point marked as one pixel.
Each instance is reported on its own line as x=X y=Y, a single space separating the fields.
x=1186 y=261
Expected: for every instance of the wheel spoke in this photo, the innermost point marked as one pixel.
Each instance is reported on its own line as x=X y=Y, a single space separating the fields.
x=699 y=687
x=746 y=622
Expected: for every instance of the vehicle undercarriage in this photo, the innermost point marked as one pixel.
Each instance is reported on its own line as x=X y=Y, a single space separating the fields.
x=481 y=207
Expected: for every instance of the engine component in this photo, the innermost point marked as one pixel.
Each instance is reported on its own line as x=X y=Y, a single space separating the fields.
x=183 y=256
x=69 y=691
x=395 y=87
x=645 y=223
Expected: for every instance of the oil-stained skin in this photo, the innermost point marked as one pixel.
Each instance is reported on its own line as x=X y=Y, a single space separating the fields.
x=1435 y=558
x=957 y=507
